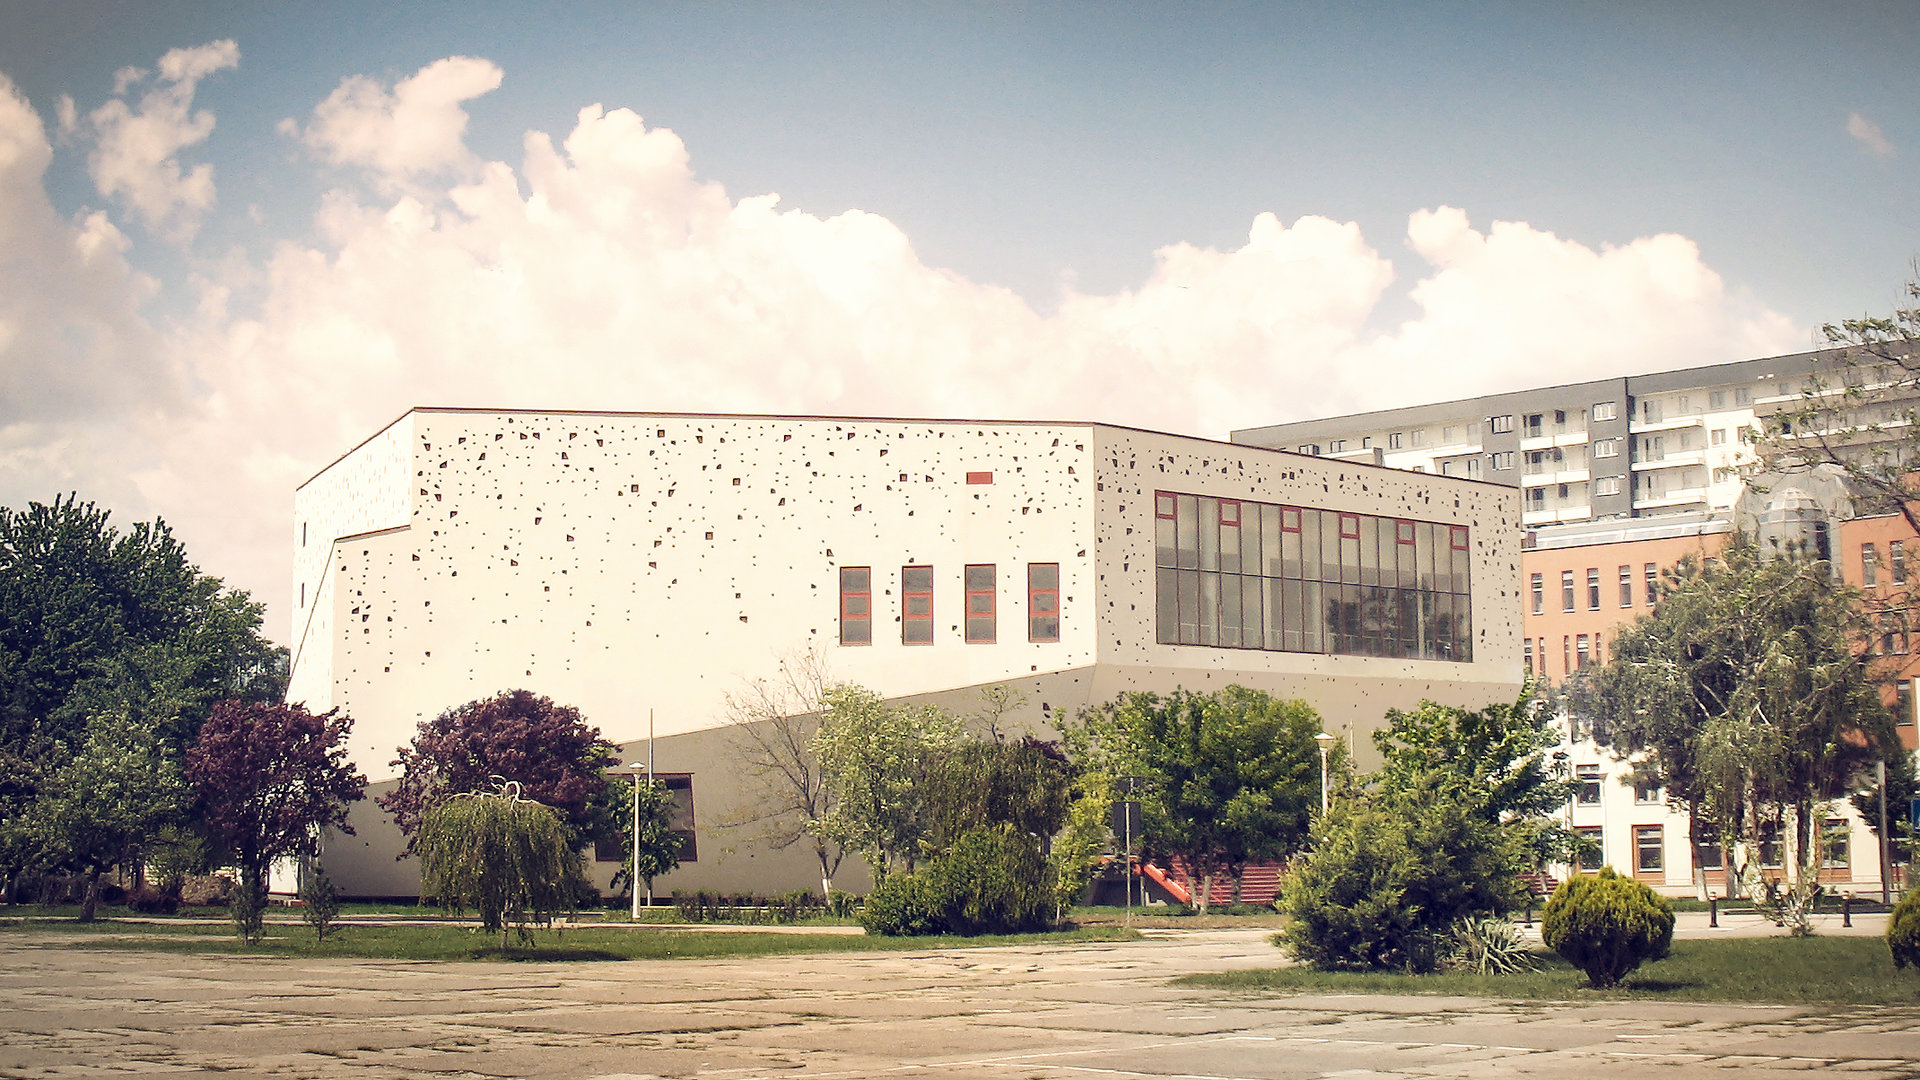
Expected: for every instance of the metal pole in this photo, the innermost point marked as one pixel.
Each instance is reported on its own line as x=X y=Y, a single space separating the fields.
x=1886 y=865
x=1127 y=824
x=633 y=846
x=649 y=780
x=1323 y=781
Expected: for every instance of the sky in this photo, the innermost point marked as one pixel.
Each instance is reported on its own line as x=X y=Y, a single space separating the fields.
x=237 y=239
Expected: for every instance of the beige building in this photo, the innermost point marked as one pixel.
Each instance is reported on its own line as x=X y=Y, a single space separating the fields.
x=642 y=565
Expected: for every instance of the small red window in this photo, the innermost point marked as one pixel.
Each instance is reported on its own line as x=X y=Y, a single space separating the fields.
x=1043 y=601
x=916 y=605
x=1163 y=504
x=1457 y=536
x=1289 y=519
x=1230 y=512
x=980 y=478
x=981 y=604
x=1403 y=531
x=856 y=605
x=1349 y=526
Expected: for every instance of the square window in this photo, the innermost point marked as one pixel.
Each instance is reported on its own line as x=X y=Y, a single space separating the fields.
x=1163 y=505
x=1500 y=425
x=1349 y=526
x=1230 y=512
x=1589 y=780
x=1603 y=410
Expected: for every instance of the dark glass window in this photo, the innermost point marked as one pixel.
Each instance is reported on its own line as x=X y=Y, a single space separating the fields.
x=916 y=605
x=1043 y=601
x=982 y=612
x=856 y=605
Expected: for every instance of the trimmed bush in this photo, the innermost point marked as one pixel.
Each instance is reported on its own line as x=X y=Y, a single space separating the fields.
x=1607 y=925
x=1903 y=931
x=152 y=901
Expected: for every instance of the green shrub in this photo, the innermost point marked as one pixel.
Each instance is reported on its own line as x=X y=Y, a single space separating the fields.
x=902 y=907
x=1903 y=931
x=842 y=905
x=1390 y=877
x=1607 y=925
x=319 y=902
x=993 y=881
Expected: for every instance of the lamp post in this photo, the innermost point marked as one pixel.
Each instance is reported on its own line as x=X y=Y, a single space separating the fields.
x=633 y=833
x=1325 y=742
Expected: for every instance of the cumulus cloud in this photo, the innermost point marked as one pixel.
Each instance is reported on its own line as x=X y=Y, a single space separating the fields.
x=135 y=158
x=1868 y=135
x=73 y=344
x=600 y=272
x=417 y=129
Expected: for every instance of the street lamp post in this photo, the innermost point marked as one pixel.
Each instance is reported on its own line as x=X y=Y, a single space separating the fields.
x=1325 y=742
x=633 y=834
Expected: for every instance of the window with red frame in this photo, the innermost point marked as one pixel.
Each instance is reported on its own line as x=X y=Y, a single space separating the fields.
x=916 y=605
x=856 y=605
x=1043 y=601
x=981 y=614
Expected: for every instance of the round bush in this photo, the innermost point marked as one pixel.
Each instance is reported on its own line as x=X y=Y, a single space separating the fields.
x=1607 y=925
x=1903 y=931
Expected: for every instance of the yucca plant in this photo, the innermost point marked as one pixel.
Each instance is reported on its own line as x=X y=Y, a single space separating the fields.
x=1489 y=946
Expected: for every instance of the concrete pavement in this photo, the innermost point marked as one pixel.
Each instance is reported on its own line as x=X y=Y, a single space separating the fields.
x=1052 y=1012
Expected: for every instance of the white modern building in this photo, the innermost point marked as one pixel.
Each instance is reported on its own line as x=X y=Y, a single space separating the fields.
x=642 y=565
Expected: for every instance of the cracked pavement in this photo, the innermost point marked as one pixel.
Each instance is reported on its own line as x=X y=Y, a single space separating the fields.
x=1047 y=1013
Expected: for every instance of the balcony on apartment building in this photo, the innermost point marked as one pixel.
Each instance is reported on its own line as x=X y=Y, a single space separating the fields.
x=1540 y=433
x=1658 y=422
x=1671 y=497
x=1553 y=515
x=1644 y=460
x=1546 y=474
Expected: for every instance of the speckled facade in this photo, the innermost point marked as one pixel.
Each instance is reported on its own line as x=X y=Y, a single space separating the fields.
x=624 y=563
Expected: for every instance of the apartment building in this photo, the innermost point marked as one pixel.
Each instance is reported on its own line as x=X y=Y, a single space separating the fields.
x=1880 y=556
x=1663 y=443
x=645 y=565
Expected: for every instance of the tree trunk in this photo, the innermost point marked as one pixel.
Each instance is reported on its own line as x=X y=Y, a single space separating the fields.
x=90 y=899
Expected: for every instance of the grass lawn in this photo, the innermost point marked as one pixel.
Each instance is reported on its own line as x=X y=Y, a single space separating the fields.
x=1839 y=970
x=454 y=942
x=1169 y=917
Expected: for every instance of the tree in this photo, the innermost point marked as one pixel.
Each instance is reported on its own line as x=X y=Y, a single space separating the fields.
x=117 y=790
x=1024 y=785
x=653 y=848
x=92 y=619
x=1748 y=695
x=772 y=726
x=507 y=857
x=1233 y=776
x=1858 y=411
x=873 y=756
x=267 y=779
x=1500 y=758
x=557 y=759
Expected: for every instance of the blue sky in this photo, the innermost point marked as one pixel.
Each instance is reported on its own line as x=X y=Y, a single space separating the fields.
x=1020 y=200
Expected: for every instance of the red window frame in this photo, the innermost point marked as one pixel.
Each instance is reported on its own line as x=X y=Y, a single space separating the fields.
x=1457 y=537
x=1164 y=504
x=1403 y=532
x=909 y=598
x=850 y=619
x=1042 y=602
x=1290 y=519
x=1349 y=526
x=982 y=604
x=1230 y=521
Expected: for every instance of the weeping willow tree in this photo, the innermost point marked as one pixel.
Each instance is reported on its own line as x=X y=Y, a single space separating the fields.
x=509 y=858
x=1747 y=695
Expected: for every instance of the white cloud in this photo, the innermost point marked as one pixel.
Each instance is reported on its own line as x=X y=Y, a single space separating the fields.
x=601 y=274
x=73 y=345
x=135 y=159
x=417 y=129
x=1868 y=134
